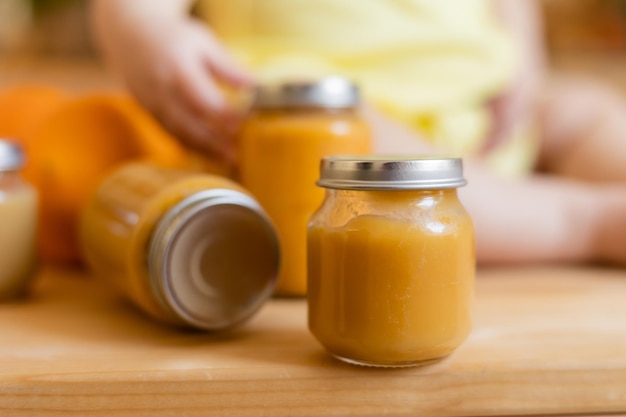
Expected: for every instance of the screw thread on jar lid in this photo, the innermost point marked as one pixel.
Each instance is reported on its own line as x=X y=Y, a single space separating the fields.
x=214 y=259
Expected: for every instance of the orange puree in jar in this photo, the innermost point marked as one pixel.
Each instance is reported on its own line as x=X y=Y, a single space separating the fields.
x=18 y=223
x=188 y=248
x=291 y=128
x=391 y=271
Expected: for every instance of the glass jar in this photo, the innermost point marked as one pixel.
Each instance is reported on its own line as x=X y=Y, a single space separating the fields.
x=292 y=126
x=391 y=260
x=18 y=223
x=188 y=248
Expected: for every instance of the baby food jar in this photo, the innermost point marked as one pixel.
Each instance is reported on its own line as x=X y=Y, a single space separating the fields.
x=18 y=223
x=188 y=248
x=391 y=260
x=292 y=126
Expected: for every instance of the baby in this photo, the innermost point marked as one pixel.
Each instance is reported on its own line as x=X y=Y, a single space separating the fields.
x=545 y=157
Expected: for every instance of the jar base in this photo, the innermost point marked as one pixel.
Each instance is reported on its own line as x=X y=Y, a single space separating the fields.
x=405 y=364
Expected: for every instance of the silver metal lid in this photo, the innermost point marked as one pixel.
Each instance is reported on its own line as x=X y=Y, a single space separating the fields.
x=333 y=92
x=214 y=259
x=391 y=173
x=11 y=156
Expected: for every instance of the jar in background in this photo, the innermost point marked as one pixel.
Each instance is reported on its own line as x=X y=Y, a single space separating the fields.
x=188 y=248
x=292 y=126
x=18 y=223
x=391 y=260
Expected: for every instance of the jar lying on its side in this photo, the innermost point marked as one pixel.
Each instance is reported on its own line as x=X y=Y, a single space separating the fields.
x=188 y=248
x=391 y=260
x=18 y=223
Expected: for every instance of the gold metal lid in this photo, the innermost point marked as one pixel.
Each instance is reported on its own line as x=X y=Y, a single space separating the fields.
x=391 y=172
x=333 y=92
x=214 y=259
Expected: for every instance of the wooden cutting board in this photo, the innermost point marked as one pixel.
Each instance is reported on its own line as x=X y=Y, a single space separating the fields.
x=547 y=340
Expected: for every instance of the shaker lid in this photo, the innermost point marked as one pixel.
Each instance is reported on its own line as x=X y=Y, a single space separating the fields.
x=333 y=92
x=214 y=259
x=391 y=172
x=11 y=156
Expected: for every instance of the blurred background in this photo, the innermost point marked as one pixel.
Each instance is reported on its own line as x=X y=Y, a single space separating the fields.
x=49 y=41
x=40 y=38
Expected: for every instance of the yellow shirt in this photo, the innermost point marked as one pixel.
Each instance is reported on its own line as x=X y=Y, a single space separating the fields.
x=429 y=63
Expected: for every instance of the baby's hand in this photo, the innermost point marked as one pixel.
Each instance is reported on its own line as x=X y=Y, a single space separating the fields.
x=175 y=66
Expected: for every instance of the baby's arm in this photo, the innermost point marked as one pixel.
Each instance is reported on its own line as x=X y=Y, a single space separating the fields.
x=174 y=65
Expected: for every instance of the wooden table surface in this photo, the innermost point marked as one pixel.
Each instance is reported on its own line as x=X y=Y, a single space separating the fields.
x=547 y=340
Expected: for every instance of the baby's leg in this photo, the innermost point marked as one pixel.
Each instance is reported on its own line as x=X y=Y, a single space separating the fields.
x=584 y=126
x=545 y=218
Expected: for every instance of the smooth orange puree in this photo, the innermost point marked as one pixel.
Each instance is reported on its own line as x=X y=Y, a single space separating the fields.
x=388 y=290
x=18 y=231
x=280 y=154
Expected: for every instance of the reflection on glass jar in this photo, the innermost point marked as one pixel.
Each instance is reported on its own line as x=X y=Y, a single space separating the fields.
x=391 y=261
x=188 y=248
x=18 y=223
x=292 y=126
